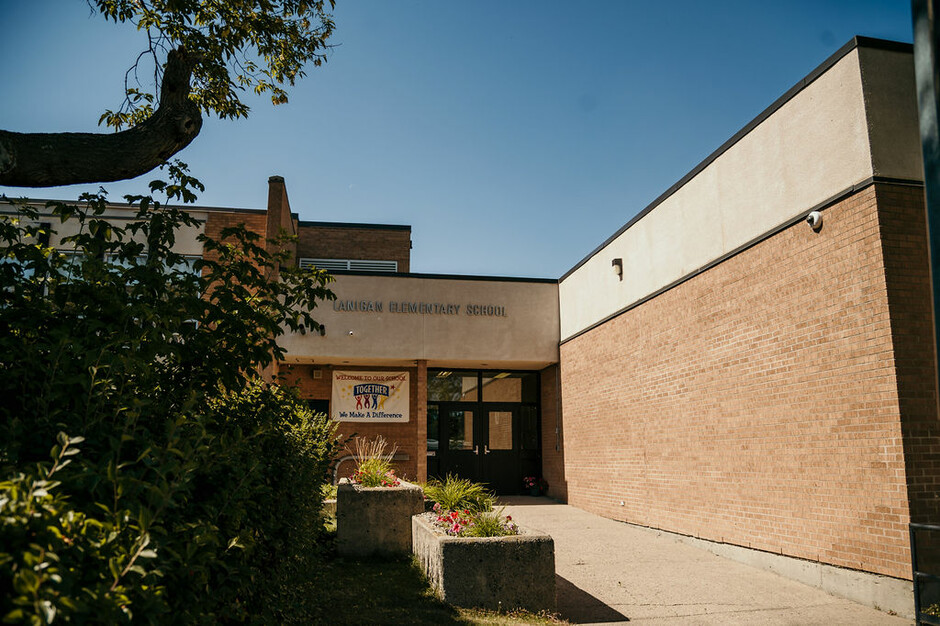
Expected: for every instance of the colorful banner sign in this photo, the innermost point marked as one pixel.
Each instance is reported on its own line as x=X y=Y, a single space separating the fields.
x=370 y=397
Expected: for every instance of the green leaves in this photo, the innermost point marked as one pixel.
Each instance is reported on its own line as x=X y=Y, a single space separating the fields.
x=260 y=46
x=147 y=474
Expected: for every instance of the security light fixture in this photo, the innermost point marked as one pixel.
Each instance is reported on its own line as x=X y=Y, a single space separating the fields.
x=815 y=220
x=617 y=265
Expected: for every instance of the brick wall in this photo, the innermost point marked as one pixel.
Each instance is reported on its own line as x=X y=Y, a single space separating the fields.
x=553 y=452
x=220 y=220
x=410 y=436
x=351 y=242
x=759 y=403
x=907 y=270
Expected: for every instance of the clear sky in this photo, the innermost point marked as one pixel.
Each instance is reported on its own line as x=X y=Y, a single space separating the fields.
x=513 y=135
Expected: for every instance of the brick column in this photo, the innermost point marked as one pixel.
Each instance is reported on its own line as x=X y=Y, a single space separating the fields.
x=421 y=418
x=279 y=216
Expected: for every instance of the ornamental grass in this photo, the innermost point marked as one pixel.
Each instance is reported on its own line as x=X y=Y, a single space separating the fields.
x=373 y=463
x=464 y=508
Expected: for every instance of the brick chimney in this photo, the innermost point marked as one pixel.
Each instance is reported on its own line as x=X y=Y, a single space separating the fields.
x=279 y=215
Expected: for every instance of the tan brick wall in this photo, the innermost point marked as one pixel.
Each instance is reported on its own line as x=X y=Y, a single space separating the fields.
x=553 y=452
x=904 y=246
x=340 y=242
x=758 y=403
x=217 y=221
x=410 y=436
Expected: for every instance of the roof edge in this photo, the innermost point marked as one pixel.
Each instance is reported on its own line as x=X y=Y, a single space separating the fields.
x=354 y=225
x=495 y=279
x=857 y=41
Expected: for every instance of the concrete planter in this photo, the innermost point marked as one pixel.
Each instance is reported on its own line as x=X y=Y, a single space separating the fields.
x=329 y=508
x=488 y=572
x=375 y=521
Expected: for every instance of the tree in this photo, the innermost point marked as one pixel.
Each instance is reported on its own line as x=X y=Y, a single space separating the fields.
x=203 y=55
x=180 y=487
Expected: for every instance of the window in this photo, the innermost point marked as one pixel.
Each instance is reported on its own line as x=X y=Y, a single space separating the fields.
x=446 y=386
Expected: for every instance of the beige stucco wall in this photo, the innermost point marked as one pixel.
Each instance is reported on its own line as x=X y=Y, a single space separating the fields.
x=186 y=238
x=524 y=337
x=814 y=146
x=891 y=110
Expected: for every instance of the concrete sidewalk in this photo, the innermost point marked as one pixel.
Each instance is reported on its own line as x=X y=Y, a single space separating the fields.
x=610 y=572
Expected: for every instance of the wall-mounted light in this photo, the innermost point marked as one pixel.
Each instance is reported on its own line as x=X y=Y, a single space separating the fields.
x=322 y=330
x=617 y=265
x=815 y=220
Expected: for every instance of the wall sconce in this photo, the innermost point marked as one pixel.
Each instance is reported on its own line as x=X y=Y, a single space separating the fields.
x=322 y=330
x=815 y=220
x=617 y=265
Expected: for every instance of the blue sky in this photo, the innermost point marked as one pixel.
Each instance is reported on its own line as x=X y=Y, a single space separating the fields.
x=514 y=135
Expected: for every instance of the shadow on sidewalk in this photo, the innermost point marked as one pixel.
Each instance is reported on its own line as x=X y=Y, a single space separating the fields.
x=525 y=500
x=579 y=607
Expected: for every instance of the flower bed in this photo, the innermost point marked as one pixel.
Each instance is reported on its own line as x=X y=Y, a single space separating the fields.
x=473 y=523
x=508 y=572
x=376 y=521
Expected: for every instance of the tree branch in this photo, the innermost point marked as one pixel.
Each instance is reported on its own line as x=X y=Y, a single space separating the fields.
x=52 y=159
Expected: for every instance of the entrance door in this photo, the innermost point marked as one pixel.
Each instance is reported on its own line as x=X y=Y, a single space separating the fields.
x=501 y=448
x=477 y=441
x=460 y=444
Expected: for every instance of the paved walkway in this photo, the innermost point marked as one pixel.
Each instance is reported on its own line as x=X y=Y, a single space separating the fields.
x=610 y=572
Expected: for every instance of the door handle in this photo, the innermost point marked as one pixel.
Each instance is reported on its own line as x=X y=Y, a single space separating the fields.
x=476 y=450
x=486 y=449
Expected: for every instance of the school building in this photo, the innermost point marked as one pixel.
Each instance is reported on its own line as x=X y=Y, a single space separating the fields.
x=747 y=362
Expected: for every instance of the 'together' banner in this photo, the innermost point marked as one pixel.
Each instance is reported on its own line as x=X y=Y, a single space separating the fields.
x=370 y=396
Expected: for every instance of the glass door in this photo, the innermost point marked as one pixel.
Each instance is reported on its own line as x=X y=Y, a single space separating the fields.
x=459 y=445
x=501 y=448
x=484 y=426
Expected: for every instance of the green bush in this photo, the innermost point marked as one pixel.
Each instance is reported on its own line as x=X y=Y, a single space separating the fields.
x=457 y=494
x=180 y=488
x=490 y=523
x=464 y=508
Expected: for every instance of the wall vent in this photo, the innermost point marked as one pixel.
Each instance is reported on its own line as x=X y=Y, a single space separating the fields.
x=357 y=265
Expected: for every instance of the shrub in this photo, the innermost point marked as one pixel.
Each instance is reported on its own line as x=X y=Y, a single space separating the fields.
x=490 y=524
x=456 y=494
x=193 y=497
x=467 y=523
x=464 y=508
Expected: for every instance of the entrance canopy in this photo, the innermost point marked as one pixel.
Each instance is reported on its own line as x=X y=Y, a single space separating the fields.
x=448 y=321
